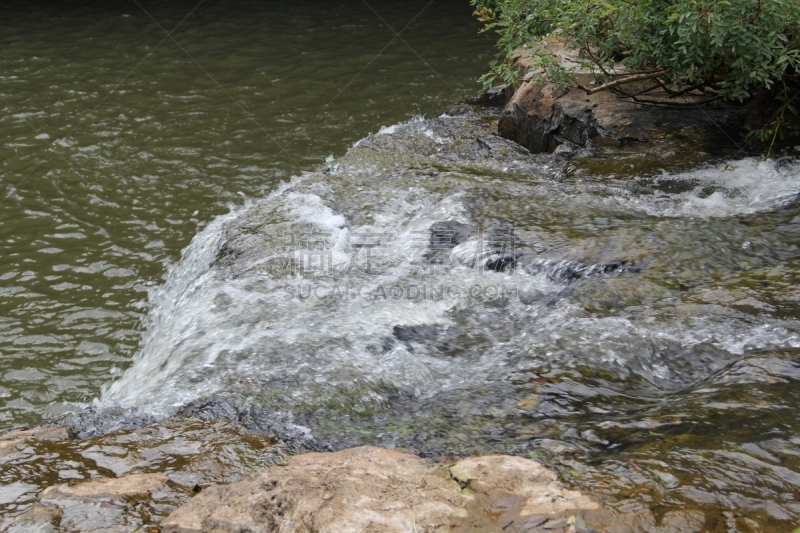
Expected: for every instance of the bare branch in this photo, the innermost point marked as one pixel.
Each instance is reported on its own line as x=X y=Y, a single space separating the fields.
x=668 y=103
x=628 y=79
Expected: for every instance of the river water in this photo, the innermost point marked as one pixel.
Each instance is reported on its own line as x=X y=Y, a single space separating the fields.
x=119 y=143
x=629 y=318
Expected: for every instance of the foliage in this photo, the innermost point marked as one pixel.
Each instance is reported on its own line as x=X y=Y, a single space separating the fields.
x=728 y=49
x=774 y=128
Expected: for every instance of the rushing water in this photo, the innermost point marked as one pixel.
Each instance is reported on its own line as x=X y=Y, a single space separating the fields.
x=119 y=143
x=630 y=318
x=439 y=288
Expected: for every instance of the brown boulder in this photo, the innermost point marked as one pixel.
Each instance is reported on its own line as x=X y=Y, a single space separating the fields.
x=542 y=115
x=373 y=489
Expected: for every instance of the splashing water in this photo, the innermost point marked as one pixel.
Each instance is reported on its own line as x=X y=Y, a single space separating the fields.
x=441 y=288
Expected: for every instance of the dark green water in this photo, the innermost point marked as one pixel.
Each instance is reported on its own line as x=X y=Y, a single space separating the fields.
x=120 y=140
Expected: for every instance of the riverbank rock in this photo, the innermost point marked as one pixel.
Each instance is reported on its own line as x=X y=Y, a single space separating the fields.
x=190 y=478
x=374 y=489
x=542 y=116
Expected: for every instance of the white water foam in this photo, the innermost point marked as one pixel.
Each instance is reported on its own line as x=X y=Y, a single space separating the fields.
x=217 y=327
x=738 y=187
x=207 y=331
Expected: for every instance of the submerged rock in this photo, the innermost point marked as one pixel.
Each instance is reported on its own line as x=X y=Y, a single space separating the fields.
x=132 y=486
x=100 y=505
x=49 y=433
x=37 y=519
x=107 y=505
x=124 y=481
x=374 y=489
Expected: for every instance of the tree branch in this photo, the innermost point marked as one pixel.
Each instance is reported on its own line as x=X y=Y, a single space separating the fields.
x=668 y=103
x=620 y=81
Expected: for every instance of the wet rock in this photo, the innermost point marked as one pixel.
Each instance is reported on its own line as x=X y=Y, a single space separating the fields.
x=418 y=333
x=497 y=248
x=277 y=425
x=133 y=486
x=444 y=339
x=373 y=489
x=458 y=110
x=91 y=422
x=94 y=422
x=638 y=518
x=192 y=453
x=568 y=271
x=50 y=433
x=13 y=443
x=505 y=263
x=495 y=96
x=107 y=505
x=445 y=236
x=542 y=116
x=37 y=519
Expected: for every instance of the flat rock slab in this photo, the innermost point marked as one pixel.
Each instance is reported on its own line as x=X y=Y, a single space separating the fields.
x=15 y=440
x=374 y=489
x=51 y=433
x=132 y=486
x=100 y=505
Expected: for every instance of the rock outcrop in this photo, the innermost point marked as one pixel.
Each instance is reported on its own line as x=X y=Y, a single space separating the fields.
x=365 y=489
x=541 y=115
x=374 y=489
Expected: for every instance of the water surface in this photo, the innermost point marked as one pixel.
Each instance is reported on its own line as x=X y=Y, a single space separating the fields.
x=628 y=318
x=120 y=142
x=439 y=288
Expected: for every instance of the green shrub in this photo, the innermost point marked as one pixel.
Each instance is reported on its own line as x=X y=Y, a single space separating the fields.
x=729 y=49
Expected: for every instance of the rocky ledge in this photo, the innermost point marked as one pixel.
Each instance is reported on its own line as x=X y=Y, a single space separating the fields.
x=365 y=489
x=543 y=116
x=374 y=489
